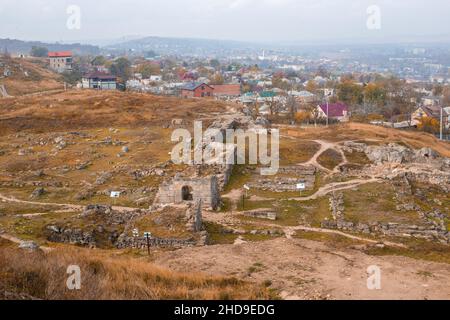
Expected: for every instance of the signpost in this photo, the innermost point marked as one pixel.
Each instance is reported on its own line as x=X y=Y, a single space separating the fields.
x=115 y=195
x=147 y=235
x=246 y=188
x=301 y=186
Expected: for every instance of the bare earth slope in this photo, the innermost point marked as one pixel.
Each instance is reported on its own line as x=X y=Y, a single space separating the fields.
x=28 y=76
x=304 y=269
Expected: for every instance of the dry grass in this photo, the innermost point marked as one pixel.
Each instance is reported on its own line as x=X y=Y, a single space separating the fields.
x=330 y=159
x=296 y=151
x=374 y=202
x=84 y=109
x=366 y=132
x=39 y=77
x=417 y=249
x=103 y=277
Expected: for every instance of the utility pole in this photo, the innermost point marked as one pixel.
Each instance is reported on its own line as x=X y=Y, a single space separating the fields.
x=442 y=124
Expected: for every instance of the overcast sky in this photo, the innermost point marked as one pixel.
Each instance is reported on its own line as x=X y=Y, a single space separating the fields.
x=251 y=20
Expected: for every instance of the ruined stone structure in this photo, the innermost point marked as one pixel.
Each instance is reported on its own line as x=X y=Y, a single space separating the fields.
x=434 y=228
x=141 y=242
x=267 y=214
x=194 y=217
x=184 y=190
x=287 y=179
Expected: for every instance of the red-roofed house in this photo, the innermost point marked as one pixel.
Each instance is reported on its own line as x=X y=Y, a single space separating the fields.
x=337 y=111
x=227 y=90
x=60 y=61
x=197 y=90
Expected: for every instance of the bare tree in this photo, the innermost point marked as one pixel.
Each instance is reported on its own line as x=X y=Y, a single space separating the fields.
x=292 y=105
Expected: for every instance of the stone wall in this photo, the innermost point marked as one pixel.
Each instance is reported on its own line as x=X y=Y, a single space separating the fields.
x=204 y=189
x=261 y=214
x=194 y=217
x=434 y=230
x=141 y=242
x=287 y=179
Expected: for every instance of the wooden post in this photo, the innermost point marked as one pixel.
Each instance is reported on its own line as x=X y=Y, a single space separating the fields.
x=148 y=244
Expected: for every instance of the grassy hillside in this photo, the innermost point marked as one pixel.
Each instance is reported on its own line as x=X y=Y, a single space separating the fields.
x=28 y=76
x=375 y=135
x=74 y=110
x=43 y=276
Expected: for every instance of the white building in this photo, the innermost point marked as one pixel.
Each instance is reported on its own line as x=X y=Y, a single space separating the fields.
x=99 y=81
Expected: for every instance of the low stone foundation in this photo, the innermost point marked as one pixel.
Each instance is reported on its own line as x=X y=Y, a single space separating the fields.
x=287 y=179
x=261 y=214
x=141 y=243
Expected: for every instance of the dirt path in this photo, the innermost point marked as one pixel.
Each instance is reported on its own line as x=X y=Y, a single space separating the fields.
x=336 y=186
x=304 y=269
x=72 y=207
x=324 y=146
x=19 y=241
x=228 y=219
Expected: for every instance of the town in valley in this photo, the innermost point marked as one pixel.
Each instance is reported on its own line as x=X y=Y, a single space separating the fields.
x=94 y=203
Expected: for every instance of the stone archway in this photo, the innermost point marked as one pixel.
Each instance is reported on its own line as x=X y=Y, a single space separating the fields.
x=187 y=193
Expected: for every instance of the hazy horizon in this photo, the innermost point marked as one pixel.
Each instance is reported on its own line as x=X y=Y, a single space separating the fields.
x=263 y=21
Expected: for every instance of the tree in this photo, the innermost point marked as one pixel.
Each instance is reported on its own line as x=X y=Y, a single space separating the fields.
x=302 y=116
x=291 y=105
x=311 y=86
x=98 y=61
x=217 y=79
x=150 y=54
x=375 y=95
x=428 y=124
x=39 y=52
x=446 y=97
x=214 y=63
x=350 y=93
x=148 y=69
x=278 y=81
x=437 y=90
x=121 y=68
x=274 y=106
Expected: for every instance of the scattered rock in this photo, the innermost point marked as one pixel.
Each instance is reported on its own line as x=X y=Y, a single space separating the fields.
x=37 y=193
x=29 y=245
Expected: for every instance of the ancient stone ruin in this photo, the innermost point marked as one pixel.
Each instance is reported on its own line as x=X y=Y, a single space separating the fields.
x=189 y=189
x=287 y=179
x=267 y=214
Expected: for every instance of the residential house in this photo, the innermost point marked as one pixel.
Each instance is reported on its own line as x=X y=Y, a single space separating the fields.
x=303 y=96
x=197 y=90
x=227 y=90
x=430 y=112
x=337 y=111
x=98 y=80
x=60 y=61
x=156 y=78
x=430 y=101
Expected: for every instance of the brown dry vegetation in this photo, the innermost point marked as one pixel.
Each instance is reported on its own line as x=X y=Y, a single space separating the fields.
x=330 y=159
x=77 y=110
x=43 y=276
x=366 y=132
x=39 y=77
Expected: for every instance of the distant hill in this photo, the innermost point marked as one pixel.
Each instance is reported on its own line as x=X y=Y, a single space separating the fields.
x=184 y=46
x=24 y=47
